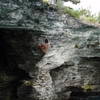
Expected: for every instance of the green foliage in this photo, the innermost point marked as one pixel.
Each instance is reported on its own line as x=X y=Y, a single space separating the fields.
x=59 y=4
x=82 y=14
x=27 y=83
x=85 y=12
x=88 y=87
x=87 y=16
x=91 y=19
x=71 y=12
x=73 y=1
x=98 y=18
x=77 y=13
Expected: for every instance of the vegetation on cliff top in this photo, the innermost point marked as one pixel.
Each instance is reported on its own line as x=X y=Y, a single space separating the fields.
x=83 y=14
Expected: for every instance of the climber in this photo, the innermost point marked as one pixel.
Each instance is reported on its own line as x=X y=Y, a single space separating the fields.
x=44 y=46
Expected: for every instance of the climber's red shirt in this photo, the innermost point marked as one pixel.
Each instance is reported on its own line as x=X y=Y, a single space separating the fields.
x=44 y=47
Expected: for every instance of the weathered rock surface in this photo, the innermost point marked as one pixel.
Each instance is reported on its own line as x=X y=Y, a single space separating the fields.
x=29 y=74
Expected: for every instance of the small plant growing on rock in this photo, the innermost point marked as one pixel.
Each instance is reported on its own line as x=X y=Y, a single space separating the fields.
x=88 y=87
x=27 y=83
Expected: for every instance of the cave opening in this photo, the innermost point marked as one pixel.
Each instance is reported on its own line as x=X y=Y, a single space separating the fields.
x=11 y=76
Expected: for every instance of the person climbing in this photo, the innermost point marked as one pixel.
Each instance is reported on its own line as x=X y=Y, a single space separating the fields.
x=44 y=46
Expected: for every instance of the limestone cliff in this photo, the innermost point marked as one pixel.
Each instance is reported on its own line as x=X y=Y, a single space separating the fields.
x=28 y=73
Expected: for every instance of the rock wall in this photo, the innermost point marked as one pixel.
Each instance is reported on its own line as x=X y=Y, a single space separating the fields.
x=70 y=62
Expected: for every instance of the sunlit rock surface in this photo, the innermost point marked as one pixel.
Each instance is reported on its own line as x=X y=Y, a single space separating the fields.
x=27 y=73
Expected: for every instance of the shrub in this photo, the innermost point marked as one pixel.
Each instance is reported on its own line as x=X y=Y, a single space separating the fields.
x=71 y=12
x=83 y=14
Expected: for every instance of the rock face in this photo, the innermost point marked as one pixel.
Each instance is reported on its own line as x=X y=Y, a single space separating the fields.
x=71 y=61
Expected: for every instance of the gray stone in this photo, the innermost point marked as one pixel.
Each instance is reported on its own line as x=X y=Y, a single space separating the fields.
x=71 y=60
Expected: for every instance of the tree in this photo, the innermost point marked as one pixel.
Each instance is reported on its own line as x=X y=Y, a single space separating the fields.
x=98 y=17
x=73 y=1
x=60 y=2
x=57 y=1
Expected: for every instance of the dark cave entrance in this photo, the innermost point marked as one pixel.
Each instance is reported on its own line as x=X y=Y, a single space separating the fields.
x=11 y=75
x=17 y=46
x=9 y=57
